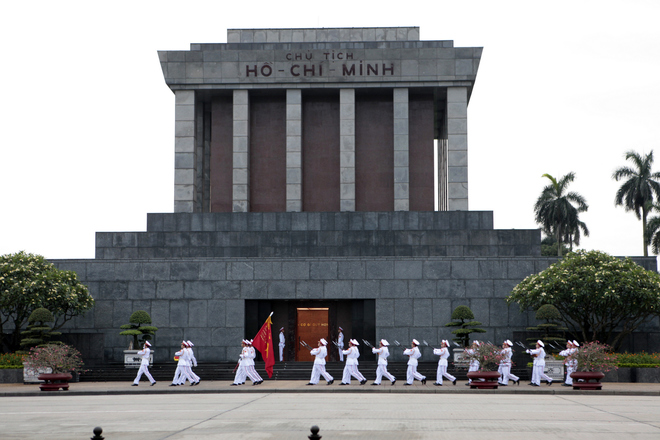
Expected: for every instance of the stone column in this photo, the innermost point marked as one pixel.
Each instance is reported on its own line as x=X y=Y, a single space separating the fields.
x=294 y=150
x=241 y=154
x=457 y=167
x=401 y=159
x=185 y=158
x=347 y=149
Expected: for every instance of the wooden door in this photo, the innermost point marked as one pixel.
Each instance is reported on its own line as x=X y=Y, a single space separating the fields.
x=312 y=325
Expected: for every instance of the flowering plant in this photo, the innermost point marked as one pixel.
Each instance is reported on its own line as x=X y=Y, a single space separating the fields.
x=594 y=356
x=639 y=360
x=488 y=355
x=59 y=358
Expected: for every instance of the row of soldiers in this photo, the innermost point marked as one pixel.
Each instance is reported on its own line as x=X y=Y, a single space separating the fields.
x=185 y=361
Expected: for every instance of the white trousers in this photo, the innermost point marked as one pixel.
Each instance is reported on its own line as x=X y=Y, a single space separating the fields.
x=570 y=368
x=341 y=353
x=144 y=369
x=252 y=374
x=538 y=374
x=473 y=368
x=317 y=372
x=442 y=371
x=351 y=370
x=180 y=376
x=382 y=371
x=191 y=375
x=281 y=352
x=241 y=374
x=412 y=374
x=505 y=373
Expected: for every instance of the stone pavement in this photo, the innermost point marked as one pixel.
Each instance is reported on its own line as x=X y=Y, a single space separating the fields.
x=287 y=410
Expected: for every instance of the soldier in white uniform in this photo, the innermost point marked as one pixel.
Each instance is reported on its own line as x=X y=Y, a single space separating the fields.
x=505 y=365
x=383 y=352
x=319 y=364
x=443 y=352
x=340 y=344
x=413 y=354
x=474 y=364
x=249 y=365
x=192 y=361
x=180 y=375
x=144 y=364
x=351 y=367
x=281 y=344
x=241 y=373
x=571 y=364
x=539 y=365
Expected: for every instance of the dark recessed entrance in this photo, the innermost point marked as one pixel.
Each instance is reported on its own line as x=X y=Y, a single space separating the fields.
x=310 y=320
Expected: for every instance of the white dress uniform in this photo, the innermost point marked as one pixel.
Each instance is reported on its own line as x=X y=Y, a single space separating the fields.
x=351 y=367
x=340 y=345
x=249 y=366
x=319 y=365
x=144 y=366
x=539 y=366
x=505 y=367
x=192 y=362
x=412 y=374
x=442 y=365
x=474 y=364
x=383 y=353
x=241 y=372
x=571 y=365
x=180 y=375
x=281 y=345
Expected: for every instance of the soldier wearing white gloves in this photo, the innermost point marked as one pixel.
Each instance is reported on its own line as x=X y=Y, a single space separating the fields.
x=144 y=364
x=505 y=365
x=413 y=354
x=383 y=352
x=351 y=368
x=539 y=365
x=319 y=364
x=443 y=352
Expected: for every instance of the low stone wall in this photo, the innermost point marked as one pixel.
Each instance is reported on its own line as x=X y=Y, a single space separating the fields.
x=634 y=375
x=11 y=375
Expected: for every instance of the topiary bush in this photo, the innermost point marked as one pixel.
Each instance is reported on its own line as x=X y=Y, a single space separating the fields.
x=550 y=332
x=38 y=333
x=137 y=330
x=464 y=318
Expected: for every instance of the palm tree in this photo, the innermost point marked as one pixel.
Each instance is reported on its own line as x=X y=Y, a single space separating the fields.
x=640 y=190
x=556 y=213
x=653 y=230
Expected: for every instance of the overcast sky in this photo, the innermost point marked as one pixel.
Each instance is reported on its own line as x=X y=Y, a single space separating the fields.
x=87 y=122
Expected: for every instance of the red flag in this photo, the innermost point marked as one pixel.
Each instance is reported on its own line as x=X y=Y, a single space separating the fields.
x=264 y=343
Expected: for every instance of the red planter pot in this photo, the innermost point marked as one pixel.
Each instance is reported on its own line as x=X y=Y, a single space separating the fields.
x=54 y=381
x=587 y=376
x=489 y=382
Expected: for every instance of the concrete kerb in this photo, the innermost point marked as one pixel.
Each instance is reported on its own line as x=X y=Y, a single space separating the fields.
x=286 y=386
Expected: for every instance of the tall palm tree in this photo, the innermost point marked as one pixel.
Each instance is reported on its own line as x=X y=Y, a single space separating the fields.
x=557 y=211
x=640 y=189
x=653 y=230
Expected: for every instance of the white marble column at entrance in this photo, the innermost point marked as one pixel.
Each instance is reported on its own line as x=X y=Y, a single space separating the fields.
x=401 y=158
x=241 y=155
x=347 y=149
x=294 y=150
x=185 y=158
x=457 y=166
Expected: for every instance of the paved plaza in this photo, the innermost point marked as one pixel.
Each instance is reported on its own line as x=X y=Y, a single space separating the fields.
x=287 y=410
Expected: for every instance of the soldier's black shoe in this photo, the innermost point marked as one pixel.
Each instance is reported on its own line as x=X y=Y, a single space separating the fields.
x=343 y=383
x=394 y=381
x=153 y=384
x=518 y=382
x=310 y=383
x=134 y=385
x=407 y=384
x=375 y=384
x=363 y=382
x=549 y=382
x=423 y=381
x=535 y=385
x=566 y=385
x=232 y=385
x=454 y=382
x=504 y=385
x=331 y=381
x=437 y=384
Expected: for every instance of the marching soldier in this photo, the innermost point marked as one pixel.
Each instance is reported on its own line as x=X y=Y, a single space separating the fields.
x=539 y=365
x=413 y=354
x=474 y=364
x=319 y=364
x=180 y=374
x=505 y=365
x=351 y=369
x=144 y=364
x=443 y=352
x=192 y=363
x=241 y=373
x=571 y=364
x=249 y=364
x=383 y=353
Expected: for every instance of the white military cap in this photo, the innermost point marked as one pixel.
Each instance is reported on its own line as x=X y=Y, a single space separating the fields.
x=184 y=343
x=147 y=343
x=415 y=341
x=341 y=328
x=281 y=328
x=540 y=343
x=509 y=343
x=323 y=341
x=355 y=342
x=384 y=342
x=576 y=343
x=446 y=342
x=190 y=344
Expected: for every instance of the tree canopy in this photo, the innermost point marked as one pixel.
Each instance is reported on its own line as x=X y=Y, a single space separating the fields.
x=600 y=297
x=28 y=282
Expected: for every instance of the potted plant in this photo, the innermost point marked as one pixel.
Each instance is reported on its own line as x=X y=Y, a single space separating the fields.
x=140 y=333
x=489 y=357
x=593 y=361
x=463 y=318
x=55 y=362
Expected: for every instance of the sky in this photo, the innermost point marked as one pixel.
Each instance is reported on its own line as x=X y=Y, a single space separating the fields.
x=87 y=121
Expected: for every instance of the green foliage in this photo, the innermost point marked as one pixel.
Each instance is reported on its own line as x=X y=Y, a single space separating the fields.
x=11 y=360
x=639 y=360
x=550 y=331
x=594 y=356
x=139 y=332
x=38 y=333
x=549 y=247
x=28 y=282
x=60 y=358
x=599 y=296
x=460 y=315
x=488 y=355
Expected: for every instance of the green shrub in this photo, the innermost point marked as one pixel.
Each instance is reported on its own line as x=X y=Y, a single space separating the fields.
x=11 y=360
x=639 y=360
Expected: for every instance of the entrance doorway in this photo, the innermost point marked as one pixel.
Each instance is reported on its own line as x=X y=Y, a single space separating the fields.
x=312 y=325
